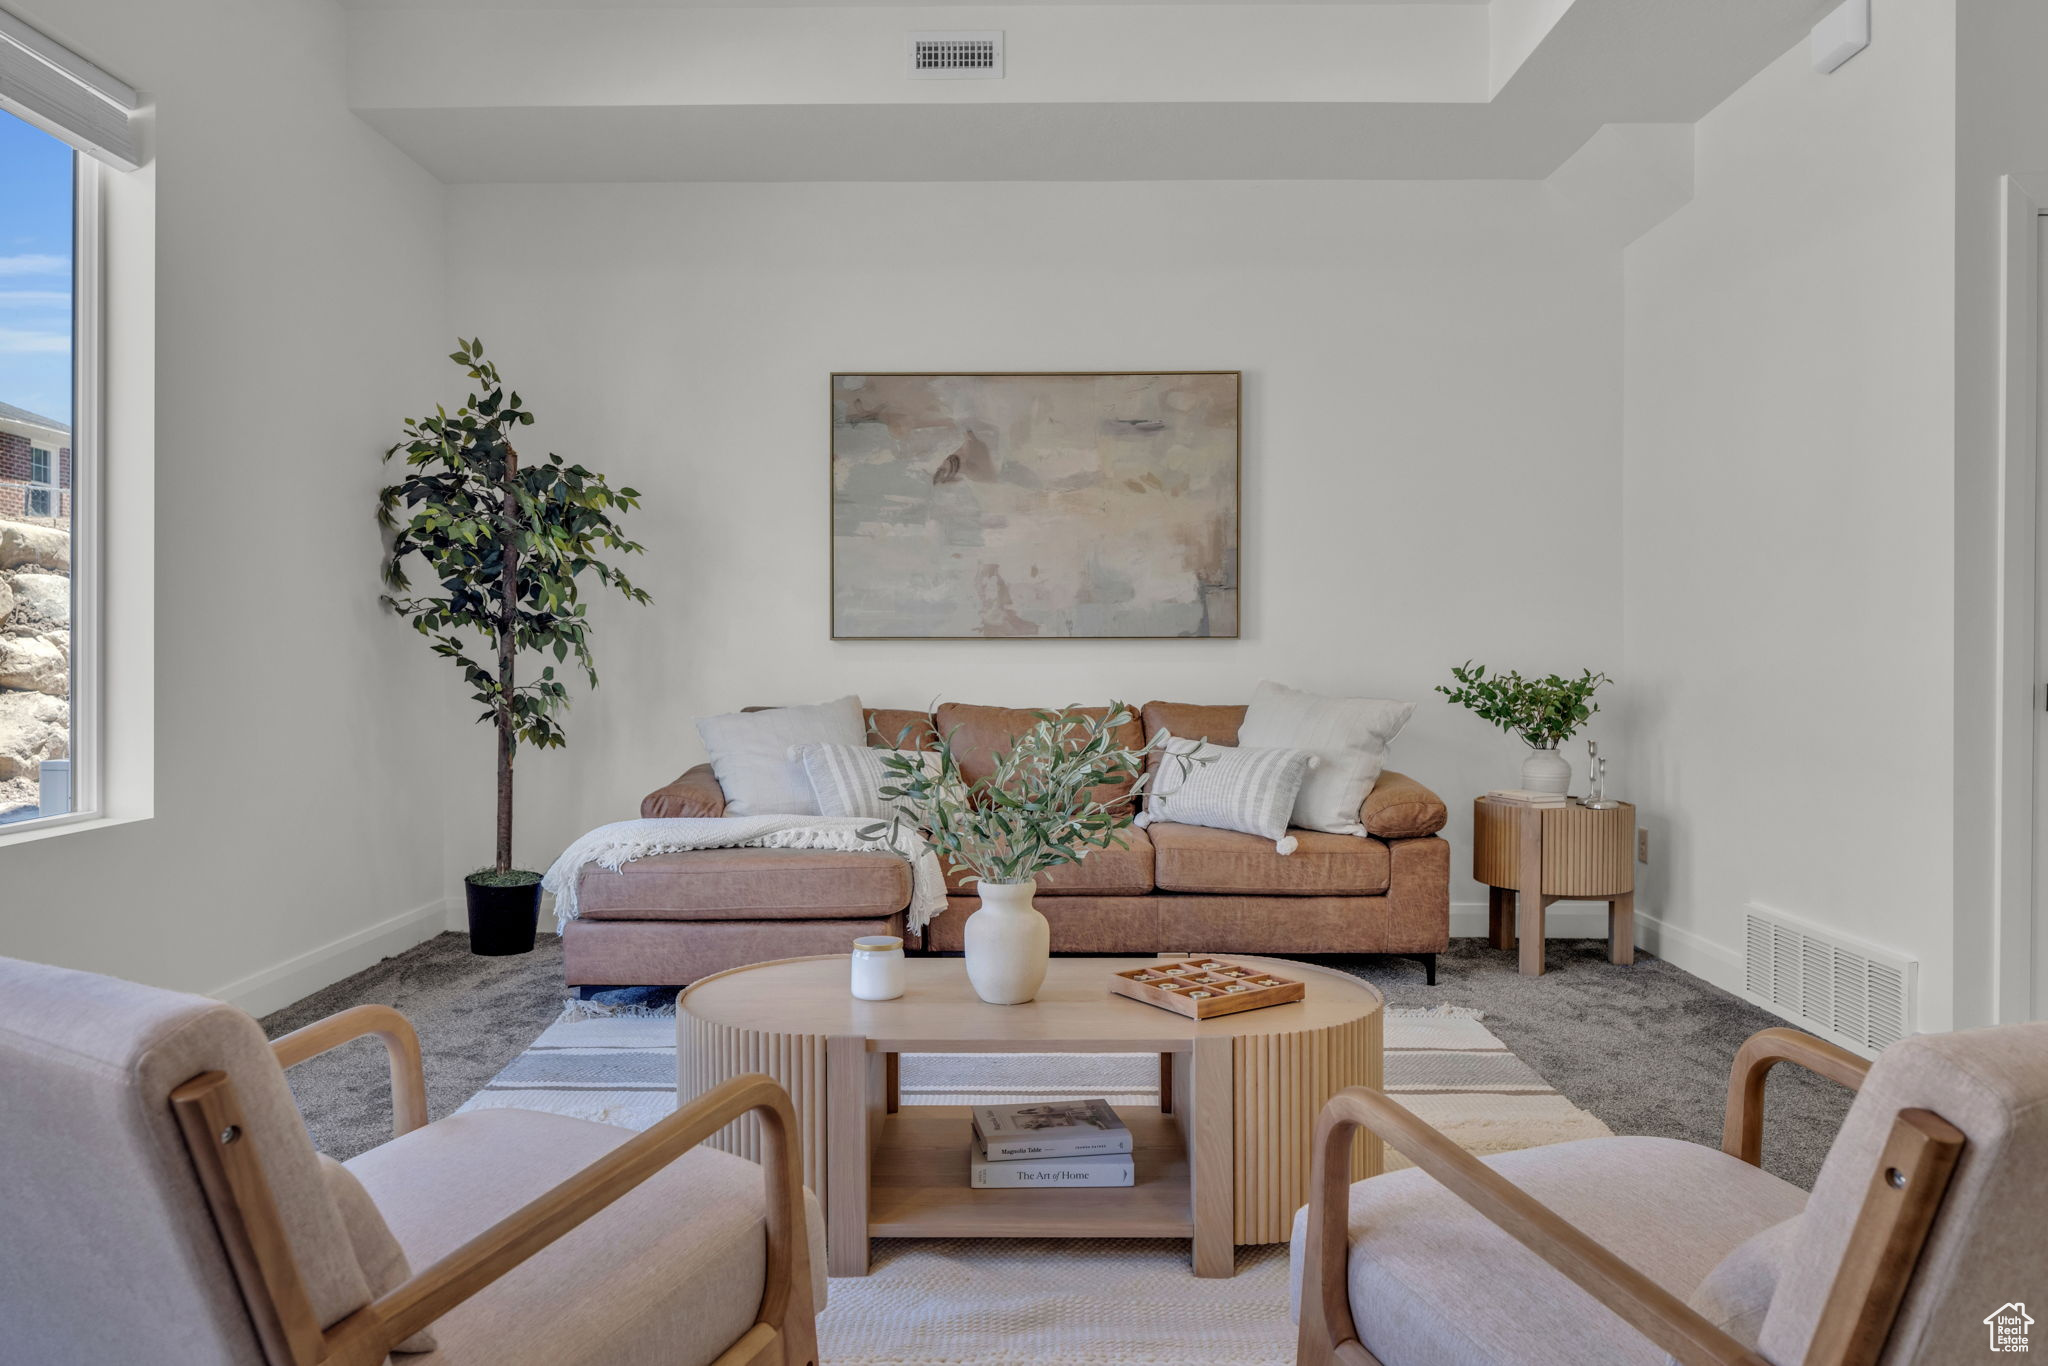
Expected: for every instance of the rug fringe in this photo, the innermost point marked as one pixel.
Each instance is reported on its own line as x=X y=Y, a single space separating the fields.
x=597 y=1010
x=572 y=1011
x=1445 y=1011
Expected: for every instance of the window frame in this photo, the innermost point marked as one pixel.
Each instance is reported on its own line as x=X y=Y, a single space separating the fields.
x=88 y=367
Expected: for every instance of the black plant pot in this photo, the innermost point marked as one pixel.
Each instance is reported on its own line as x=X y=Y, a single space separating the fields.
x=502 y=920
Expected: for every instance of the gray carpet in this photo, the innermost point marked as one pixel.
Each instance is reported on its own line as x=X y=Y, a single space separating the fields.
x=1646 y=1048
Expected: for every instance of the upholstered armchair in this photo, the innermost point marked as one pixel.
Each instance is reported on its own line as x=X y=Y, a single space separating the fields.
x=1930 y=1213
x=163 y=1203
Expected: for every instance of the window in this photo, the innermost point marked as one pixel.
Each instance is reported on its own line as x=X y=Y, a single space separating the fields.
x=40 y=340
x=68 y=129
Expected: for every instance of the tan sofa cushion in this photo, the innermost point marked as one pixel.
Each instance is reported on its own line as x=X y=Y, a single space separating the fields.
x=1193 y=721
x=1399 y=808
x=1194 y=858
x=979 y=733
x=1105 y=872
x=674 y=953
x=696 y=793
x=746 y=884
x=1079 y=924
x=670 y=1273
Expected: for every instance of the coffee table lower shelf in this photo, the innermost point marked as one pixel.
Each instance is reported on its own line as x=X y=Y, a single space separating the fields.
x=919 y=1172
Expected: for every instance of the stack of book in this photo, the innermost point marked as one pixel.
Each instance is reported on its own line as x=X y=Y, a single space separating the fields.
x=1516 y=796
x=1050 y=1143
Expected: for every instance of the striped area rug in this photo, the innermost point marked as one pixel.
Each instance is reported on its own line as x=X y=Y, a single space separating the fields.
x=620 y=1068
x=1026 y=1302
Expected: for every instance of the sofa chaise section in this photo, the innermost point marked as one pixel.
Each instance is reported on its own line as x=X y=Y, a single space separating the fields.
x=670 y=919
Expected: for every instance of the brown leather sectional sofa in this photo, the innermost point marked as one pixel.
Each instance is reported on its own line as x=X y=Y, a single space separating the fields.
x=673 y=918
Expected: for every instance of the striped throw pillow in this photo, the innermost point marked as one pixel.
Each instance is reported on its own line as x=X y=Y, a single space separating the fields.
x=1246 y=789
x=848 y=779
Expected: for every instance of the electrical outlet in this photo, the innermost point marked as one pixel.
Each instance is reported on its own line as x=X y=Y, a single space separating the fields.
x=1642 y=844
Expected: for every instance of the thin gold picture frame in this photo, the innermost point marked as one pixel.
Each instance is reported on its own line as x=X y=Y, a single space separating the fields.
x=831 y=512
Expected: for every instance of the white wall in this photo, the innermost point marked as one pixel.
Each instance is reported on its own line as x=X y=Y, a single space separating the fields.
x=1788 y=502
x=1431 y=445
x=299 y=310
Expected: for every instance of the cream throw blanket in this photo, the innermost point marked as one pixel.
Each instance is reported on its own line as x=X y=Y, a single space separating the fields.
x=610 y=846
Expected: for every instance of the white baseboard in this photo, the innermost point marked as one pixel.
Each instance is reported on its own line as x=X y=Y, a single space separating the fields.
x=1566 y=920
x=296 y=978
x=1701 y=957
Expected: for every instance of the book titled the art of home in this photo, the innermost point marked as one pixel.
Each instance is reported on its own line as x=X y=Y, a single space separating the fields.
x=1099 y=1169
x=1057 y=1128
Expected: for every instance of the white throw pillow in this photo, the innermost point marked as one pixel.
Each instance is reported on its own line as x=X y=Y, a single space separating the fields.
x=1349 y=734
x=847 y=780
x=749 y=753
x=1246 y=789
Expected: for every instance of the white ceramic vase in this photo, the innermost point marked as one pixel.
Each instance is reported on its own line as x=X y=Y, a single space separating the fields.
x=1546 y=770
x=1008 y=943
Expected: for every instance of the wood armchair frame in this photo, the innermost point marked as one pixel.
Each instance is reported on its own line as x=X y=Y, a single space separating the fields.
x=1905 y=1193
x=252 y=1231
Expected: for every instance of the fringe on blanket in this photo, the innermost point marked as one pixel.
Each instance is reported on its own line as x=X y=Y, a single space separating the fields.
x=574 y=1011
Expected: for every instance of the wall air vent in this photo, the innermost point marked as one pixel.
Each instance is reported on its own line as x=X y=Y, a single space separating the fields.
x=1857 y=994
x=951 y=56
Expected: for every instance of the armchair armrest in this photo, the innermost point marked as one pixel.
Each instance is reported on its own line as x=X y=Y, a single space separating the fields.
x=1329 y=1333
x=401 y=1044
x=696 y=793
x=1399 y=808
x=1742 y=1131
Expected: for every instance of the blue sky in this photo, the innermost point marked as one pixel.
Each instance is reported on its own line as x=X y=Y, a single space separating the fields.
x=35 y=270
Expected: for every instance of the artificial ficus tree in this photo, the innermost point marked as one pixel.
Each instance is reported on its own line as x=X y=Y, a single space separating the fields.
x=505 y=544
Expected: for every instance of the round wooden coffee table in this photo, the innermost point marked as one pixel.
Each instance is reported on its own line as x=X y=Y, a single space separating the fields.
x=1223 y=1161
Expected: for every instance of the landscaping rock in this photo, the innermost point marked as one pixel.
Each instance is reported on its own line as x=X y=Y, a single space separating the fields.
x=36 y=663
x=32 y=728
x=22 y=544
x=47 y=596
x=7 y=599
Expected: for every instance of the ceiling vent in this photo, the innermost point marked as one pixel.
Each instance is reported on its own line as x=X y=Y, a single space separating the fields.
x=1857 y=994
x=953 y=56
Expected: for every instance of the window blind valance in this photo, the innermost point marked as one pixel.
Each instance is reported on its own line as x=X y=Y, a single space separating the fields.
x=64 y=94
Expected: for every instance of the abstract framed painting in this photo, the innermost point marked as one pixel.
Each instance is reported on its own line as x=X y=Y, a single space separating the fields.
x=1036 y=506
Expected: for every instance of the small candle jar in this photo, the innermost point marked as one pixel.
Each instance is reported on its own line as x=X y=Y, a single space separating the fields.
x=878 y=972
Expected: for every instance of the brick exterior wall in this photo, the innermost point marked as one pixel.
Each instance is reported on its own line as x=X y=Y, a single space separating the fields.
x=14 y=477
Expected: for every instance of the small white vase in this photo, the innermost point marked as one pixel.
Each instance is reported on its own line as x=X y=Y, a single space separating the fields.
x=1008 y=943
x=1546 y=770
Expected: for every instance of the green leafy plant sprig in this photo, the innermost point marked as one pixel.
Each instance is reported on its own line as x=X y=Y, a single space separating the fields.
x=1037 y=809
x=1542 y=711
x=505 y=544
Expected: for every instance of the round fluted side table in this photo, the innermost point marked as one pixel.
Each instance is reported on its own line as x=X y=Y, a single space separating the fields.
x=1530 y=856
x=1223 y=1160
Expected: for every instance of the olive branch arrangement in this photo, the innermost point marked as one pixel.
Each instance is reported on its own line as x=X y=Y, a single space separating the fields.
x=1037 y=809
x=1543 y=711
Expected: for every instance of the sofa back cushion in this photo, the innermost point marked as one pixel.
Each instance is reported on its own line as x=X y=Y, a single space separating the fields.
x=981 y=733
x=1193 y=721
